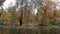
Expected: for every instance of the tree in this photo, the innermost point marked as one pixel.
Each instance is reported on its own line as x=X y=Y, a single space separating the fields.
x=48 y=7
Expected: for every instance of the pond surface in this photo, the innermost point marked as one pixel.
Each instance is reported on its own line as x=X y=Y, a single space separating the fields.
x=29 y=30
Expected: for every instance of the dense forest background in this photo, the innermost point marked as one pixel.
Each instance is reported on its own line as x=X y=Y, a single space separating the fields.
x=35 y=12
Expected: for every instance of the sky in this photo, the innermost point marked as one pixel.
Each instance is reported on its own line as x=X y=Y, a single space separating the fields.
x=11 y=3
x=57 y=2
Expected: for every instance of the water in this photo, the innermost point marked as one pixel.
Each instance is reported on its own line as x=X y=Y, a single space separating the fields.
x=29 y=30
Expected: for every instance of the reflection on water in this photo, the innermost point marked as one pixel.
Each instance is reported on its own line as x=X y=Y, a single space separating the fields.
x=36 y=30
